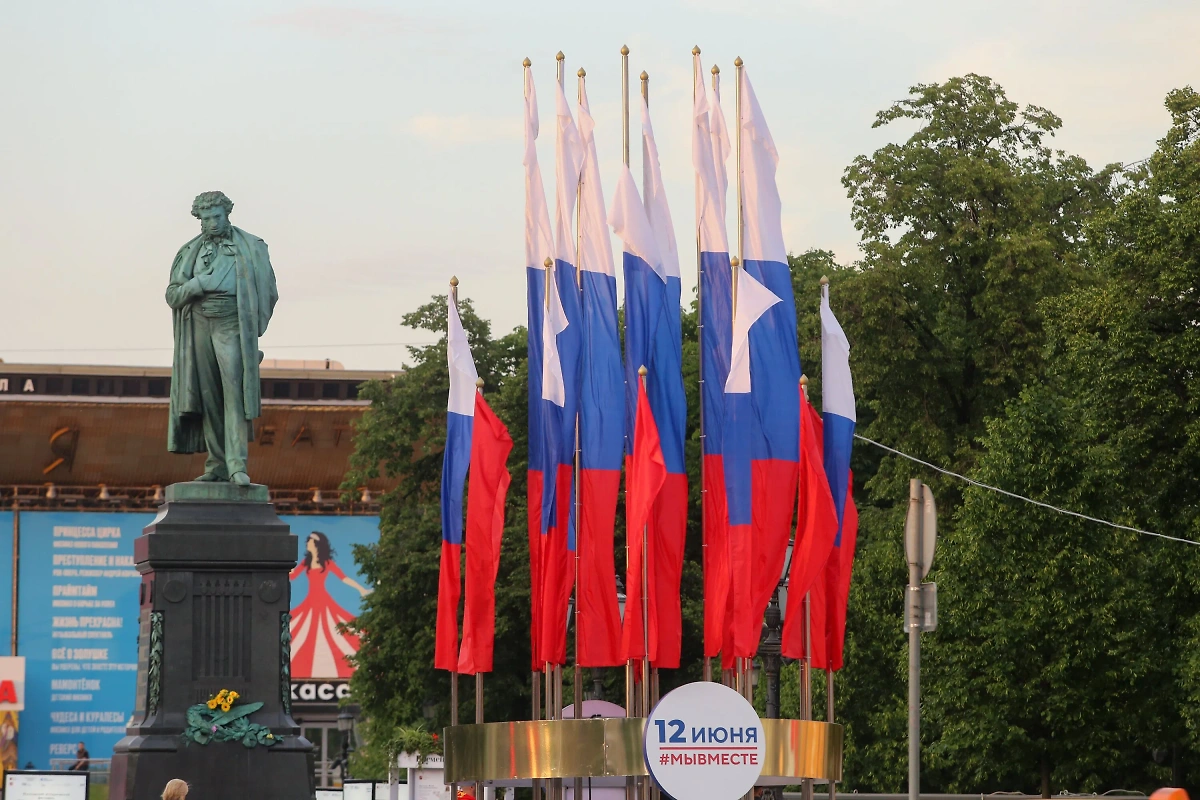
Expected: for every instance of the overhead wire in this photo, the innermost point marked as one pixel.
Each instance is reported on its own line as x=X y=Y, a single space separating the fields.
x=1022 y=498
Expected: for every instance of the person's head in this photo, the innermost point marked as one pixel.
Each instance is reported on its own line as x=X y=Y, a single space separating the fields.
x=80 y=748
x=212 y=209
x=318 y=547
x=175 y=790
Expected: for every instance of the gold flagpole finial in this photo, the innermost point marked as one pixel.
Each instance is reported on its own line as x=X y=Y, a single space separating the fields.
x=582 y=72
x=526 y=63
x=824 y=280
x=696 y=50
x=715 y=70
x=645 y=75
x=737 y=62
x=734 y=261
x=624 y=50
x=548 y=263
x=643 y=371
x=559 y=56
x=804 y=380
x=454 y=280
x=479 y=383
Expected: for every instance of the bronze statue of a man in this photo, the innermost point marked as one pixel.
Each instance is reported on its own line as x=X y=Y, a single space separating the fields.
x=221 y=294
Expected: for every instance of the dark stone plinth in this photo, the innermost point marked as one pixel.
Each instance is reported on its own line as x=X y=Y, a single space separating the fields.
x=215 y=597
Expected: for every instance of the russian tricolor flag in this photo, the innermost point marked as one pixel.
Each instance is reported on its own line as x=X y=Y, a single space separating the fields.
x=601 y=415
x=710 y=151
x=539 y=246
x=557 y=398
x=653 y=339
x=837 y=393
x=744 y=482
x=476 y=443
x=769 y=415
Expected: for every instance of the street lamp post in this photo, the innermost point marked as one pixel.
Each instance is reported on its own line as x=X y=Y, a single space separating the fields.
x=769 y=649
x=347 y=714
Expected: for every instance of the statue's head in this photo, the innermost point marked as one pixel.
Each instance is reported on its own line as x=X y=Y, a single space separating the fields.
x=212 y=209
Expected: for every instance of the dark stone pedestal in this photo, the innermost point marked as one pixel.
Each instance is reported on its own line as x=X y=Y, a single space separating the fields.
x=214 y=615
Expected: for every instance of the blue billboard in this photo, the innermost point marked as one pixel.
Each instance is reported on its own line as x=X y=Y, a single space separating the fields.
x=6 y=578
x=78 y=618
x=77 y=628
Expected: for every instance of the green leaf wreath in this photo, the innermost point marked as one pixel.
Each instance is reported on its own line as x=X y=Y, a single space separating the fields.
x=219 y=720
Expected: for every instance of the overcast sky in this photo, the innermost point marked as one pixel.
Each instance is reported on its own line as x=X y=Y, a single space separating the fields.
x=376 y=147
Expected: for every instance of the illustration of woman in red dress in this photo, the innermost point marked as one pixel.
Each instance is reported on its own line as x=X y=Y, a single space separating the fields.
x=318 y=647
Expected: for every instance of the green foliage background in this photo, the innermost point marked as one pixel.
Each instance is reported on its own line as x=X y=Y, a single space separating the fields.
x=1017 y=317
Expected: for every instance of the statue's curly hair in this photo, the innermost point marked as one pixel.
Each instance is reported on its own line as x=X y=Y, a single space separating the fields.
x=208 y=200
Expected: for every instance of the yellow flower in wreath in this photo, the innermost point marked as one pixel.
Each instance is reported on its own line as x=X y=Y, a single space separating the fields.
x=225 y=706
x=212 y=704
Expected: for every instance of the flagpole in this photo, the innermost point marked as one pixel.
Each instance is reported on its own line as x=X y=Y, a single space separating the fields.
x=642 y=372
x=454 y=672
x=700 y=338
x=645 y=79
x=534 y=676
x=546 y=668
x=806 y=786
x=747 y=689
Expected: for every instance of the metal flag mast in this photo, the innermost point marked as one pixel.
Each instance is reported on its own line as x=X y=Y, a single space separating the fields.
x=743 y=665
x=642 y=371
x=535 y=675
x=478 y=674
x=454 y=672
x=645 y=78
x=700 y=338
x=806 y=786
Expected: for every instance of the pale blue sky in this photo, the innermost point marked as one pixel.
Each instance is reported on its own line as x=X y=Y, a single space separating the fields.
x=376 y=146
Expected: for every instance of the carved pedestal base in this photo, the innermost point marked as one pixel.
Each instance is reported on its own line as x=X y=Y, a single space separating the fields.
x=214 y=615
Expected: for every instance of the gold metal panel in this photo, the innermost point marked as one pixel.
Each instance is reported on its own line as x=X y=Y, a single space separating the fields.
x=569 y=748
x=612 y=747
x=802 y=749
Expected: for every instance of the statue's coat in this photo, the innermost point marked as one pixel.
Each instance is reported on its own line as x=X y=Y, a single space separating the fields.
x=256 y=298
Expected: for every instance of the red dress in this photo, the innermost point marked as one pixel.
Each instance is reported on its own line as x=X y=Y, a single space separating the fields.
x=318 y=647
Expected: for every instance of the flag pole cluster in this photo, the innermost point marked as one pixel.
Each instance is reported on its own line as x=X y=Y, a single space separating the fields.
x=603 y=400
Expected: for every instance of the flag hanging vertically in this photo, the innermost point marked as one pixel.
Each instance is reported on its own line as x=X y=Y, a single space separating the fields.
x=715 y=308
x=744 y=490
x=837 y=394
x=816 y=527
x=668 y=526
x=601 y=414
x=560 y=401
x=486 y=492
x=539 y=245
x=456 y=459
x=774 y=437
x=652 y=338
x=646 y=474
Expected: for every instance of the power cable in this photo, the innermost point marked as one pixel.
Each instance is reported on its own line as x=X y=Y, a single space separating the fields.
x=1022 y=498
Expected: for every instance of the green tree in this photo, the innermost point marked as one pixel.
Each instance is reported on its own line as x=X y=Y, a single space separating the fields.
x=1103 y=623
x=966 y=226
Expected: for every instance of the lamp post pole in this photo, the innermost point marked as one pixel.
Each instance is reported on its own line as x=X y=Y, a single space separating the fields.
x=346 y=716
x=770 y=651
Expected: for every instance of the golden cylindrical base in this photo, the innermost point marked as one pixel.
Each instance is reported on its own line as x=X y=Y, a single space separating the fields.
x=514 y=753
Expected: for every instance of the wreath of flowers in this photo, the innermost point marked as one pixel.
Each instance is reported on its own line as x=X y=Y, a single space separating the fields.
x=222 y=720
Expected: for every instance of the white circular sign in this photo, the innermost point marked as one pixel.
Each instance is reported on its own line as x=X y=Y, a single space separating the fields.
x=704 y=740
